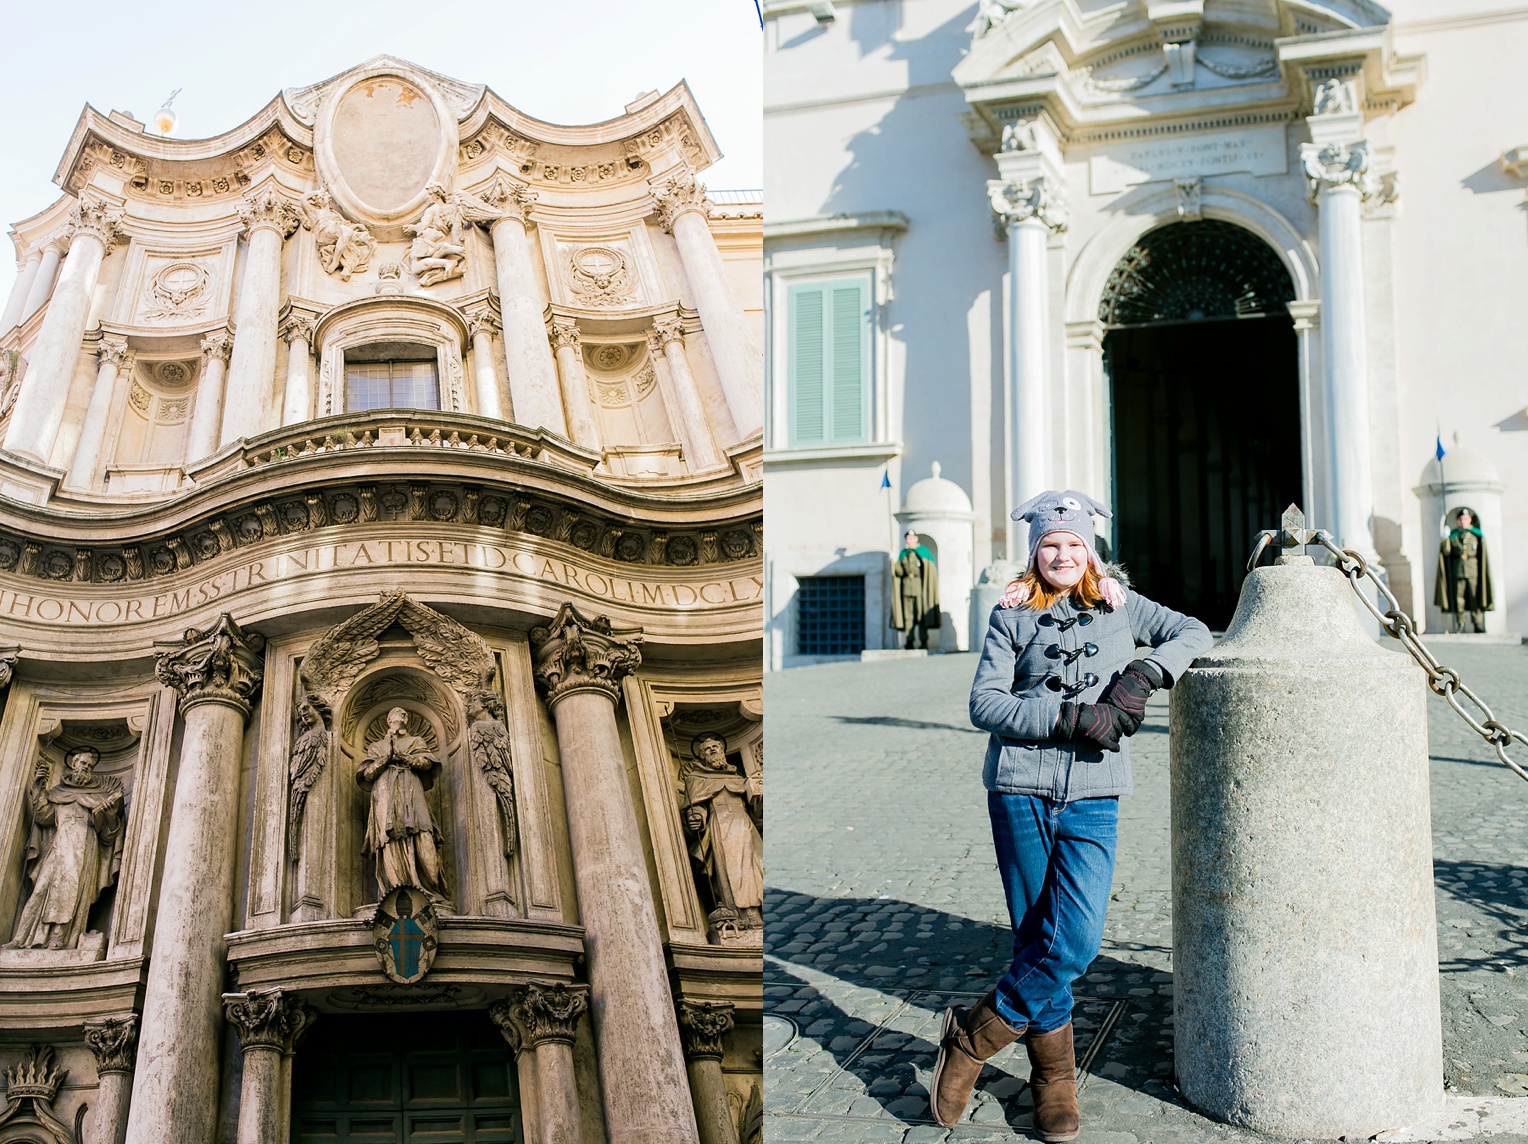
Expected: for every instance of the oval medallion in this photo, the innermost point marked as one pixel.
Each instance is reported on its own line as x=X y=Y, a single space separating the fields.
x=386 y=140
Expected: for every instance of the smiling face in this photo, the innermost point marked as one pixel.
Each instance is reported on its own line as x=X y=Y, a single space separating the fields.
x=1062 y=558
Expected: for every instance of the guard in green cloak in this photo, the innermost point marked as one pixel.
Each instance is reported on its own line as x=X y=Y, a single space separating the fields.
x=914 y=591
x=1464 y=574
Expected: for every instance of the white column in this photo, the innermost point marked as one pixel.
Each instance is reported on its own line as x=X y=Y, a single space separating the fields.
x=532 y=376
x=94 y=225
x=298 y=403
x=114 y=1041
x=20 y=289
x=1030 y=211
x=490 y=393
x=578 y=666
x=666 y=342
x=270 y=1023
x=682 y=211
x=42 y=281
x=111 y=357
x=576 y=398
x=1337 y=164
x=248 y=408
x=202 y=439
x=216 y=673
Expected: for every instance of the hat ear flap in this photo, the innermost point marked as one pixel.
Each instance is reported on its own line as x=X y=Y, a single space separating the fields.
x=1093 y=506
x=1026 y=511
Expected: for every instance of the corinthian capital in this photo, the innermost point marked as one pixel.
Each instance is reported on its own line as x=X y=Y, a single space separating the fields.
x=97 y=218
x=664 y=331
x=563 y=333
x=535 y=1013
x=576 y=653
x=218 y=344
x=703 y=1025
x=114 y=1041
x=1336 y=165
x=1016 y=202
x=221 y=664
x=513 y=199
x=681 y=193
x=266 y=208
x=296 y=327
x=268 y=1019
x=112 y=352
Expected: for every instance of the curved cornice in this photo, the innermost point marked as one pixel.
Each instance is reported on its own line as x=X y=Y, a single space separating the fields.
x=395 y=302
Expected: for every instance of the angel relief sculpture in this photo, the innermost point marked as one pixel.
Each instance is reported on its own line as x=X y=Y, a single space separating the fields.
x=74 y=851
x=401 y=834
x=309 y=755
x=439 y=248
x=344 y=247
x=489 y=741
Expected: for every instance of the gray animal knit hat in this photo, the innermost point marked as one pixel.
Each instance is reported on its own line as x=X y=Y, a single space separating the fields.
x=1069 y=511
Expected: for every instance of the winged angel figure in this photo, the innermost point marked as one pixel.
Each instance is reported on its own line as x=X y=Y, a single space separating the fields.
x=488 y=739
x=309 y=754
x=439 y=247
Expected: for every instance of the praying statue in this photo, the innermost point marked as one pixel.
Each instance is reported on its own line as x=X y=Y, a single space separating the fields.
x=400 y=834
x=723 y=836
x=74 y=850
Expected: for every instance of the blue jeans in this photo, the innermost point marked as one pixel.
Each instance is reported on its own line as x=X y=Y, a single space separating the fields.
x=1057 y=860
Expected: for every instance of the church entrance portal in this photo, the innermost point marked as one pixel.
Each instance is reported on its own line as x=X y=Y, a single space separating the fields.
x=444 y=1077
x=1203 y=376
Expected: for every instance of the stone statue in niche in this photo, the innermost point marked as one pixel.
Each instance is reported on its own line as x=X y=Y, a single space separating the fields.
x=400 y=833
x=344 y=247
x=488 y=739
x=74 y=851
x=438 y=251
x=309 y=755
x=724 y=839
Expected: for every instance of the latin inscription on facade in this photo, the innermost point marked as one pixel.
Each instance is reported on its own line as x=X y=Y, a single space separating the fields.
x=1258 y=150
x=516 y=563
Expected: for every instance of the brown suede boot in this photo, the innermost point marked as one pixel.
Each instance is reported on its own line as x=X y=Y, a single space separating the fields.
x=968 y=1038
x=1053 y=1081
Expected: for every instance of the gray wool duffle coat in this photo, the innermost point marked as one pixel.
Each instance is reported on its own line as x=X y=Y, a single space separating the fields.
x=1033 y=661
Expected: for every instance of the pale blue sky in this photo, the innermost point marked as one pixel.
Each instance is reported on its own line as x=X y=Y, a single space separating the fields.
x=567 y=61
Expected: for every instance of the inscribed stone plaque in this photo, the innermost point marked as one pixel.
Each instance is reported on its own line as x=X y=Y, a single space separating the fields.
x=386 y=139
x=1259 y=150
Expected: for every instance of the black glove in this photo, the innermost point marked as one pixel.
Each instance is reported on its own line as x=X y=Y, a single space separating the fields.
x=1131 y=688
x=1095 y=724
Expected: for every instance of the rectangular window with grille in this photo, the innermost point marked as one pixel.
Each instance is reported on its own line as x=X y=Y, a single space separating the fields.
x=830 y=615
x=828 y=361
x=390 y=385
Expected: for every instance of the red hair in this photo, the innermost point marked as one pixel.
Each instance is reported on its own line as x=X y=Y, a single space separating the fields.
x=1039 y=593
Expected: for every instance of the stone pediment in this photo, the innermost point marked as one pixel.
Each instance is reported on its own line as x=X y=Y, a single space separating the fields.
x=1096 y=73
x=304 y=102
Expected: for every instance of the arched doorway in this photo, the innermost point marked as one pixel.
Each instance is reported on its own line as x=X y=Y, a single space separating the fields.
x=1203 y=375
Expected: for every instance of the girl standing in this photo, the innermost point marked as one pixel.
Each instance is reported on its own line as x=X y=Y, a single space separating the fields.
x=1060 y=691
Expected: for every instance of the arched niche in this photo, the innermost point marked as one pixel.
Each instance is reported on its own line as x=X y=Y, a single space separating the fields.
x=390 y=319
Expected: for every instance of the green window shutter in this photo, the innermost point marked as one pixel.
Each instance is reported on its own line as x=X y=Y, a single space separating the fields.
x=808 y=415
x=849 y=336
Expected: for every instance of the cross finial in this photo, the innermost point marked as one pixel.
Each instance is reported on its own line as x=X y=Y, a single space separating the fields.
x=1293 y=520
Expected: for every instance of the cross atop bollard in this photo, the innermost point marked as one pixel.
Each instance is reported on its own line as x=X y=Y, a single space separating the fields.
x=1291 y=533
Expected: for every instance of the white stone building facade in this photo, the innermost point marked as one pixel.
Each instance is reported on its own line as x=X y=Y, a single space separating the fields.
x=1200 y=259
x=379 y=604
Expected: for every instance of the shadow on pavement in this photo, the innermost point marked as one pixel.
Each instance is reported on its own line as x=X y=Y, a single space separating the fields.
x=1495 y=891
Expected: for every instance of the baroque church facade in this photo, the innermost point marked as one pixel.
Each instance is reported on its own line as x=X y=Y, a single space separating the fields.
x=1199 y=258
x=380 y=587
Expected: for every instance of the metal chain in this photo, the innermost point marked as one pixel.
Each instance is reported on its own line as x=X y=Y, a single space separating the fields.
x=1443 y=680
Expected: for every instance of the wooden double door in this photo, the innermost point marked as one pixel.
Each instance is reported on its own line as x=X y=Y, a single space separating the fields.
x=420 y=1078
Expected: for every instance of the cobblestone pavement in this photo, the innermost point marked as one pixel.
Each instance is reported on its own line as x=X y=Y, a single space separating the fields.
x=885 y=903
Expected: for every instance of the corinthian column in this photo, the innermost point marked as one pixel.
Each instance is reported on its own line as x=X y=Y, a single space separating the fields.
x=111 y=357
x=665 y=343
x=94 y=225
x=575 y=383
x=1030 y=211
x=682 y=211
x=114 y=1041
x=202 y=439
x=175 y=1094
x=704 y=1025
x=22 y=287
x=578 y=664
x=270 y=1023
x=1336 y=163
x=490 y=395
x=544 y=1018
x=297 y=406
x=42 y=282
x=532 y=376
x=269 y=217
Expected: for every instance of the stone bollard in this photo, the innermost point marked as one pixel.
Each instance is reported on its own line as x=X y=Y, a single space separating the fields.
x=1305 y=955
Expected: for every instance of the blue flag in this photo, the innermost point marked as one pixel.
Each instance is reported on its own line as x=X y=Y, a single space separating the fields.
x=1440 y=447
x=886 y=475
